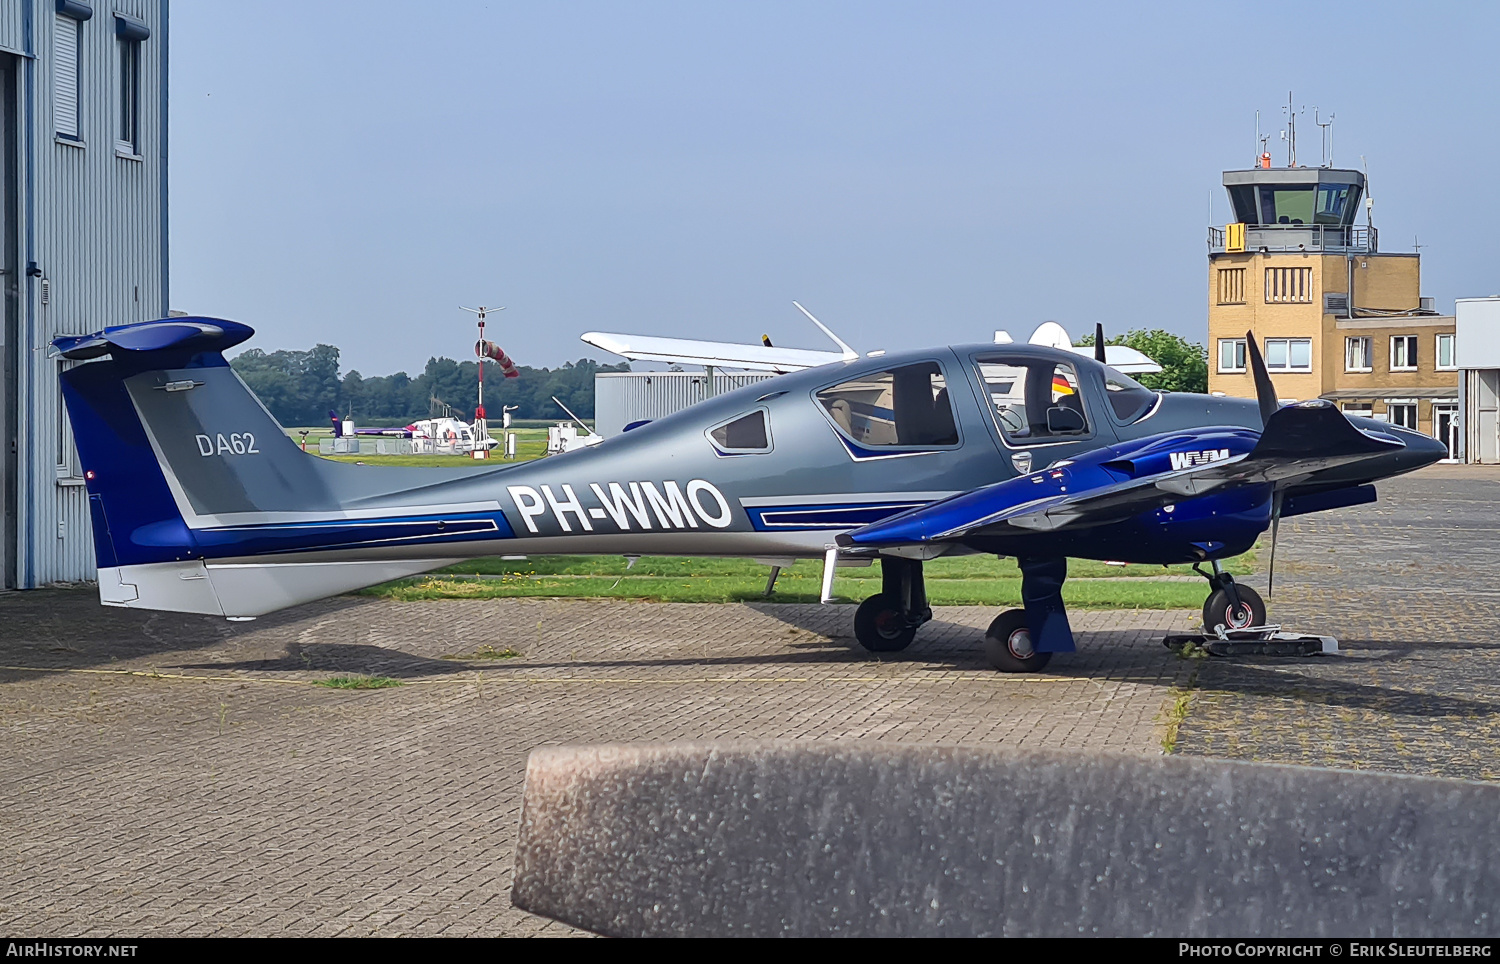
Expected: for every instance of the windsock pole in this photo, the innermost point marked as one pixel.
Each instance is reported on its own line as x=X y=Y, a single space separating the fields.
x=481 y=427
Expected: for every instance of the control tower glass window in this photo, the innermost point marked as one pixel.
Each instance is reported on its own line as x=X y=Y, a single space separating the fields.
x=1336 y=203
x=1286 y=204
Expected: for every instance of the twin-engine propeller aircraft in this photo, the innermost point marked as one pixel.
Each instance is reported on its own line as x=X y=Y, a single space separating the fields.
x=202 y=504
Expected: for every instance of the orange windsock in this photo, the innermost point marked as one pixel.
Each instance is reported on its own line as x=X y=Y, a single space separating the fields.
x=492 y=351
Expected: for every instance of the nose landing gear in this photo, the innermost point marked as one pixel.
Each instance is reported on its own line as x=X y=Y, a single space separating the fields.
x=1229 y=605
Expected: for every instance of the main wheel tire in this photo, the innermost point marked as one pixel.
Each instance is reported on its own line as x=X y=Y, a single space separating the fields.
x=1008 y=646
x=880 y=627
x=1217 y=610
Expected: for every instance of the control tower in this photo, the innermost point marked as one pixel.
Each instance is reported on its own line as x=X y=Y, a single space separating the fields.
x=1336 y=317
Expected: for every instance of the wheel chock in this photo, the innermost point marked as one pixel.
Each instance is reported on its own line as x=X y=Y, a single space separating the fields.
x=1255 y=641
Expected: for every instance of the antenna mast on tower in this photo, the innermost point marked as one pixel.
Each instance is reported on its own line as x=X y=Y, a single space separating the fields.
x=1327 y=131
x=1290 y=134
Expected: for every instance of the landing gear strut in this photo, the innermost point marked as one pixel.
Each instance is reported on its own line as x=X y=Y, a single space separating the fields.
x=887 y=622
x=1229 y=604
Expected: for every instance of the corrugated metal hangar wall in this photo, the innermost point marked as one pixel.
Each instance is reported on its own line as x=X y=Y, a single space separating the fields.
x=624 y=397
x=83 y=147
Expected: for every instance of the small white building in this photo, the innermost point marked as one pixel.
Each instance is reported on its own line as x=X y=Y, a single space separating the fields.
x=83 y=204
x=1477 y=349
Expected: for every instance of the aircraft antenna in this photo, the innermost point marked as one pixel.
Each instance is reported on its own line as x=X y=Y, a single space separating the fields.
x=481 y=427
x=849 y=353
x=1099 y=353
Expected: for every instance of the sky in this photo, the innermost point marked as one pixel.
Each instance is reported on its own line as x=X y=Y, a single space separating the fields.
x=913 y=173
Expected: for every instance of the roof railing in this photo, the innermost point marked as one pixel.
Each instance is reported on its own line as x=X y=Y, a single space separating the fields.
x=1281 y=238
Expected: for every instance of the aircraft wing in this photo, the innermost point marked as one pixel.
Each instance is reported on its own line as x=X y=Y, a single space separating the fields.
x=1124 y=480
x=716 y=353
x=1122 y=358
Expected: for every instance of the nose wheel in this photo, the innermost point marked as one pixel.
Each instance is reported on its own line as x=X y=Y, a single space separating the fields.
x=1008 y=645
x=1230 y=605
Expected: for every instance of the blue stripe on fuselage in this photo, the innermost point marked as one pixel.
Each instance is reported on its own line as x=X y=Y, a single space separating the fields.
x=223 y=541
x=842 y=516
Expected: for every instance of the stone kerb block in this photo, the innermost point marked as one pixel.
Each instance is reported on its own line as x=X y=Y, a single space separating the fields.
x=863 y=839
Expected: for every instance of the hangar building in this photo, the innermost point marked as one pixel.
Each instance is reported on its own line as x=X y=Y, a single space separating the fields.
x=1479 y=377
x=83 y=202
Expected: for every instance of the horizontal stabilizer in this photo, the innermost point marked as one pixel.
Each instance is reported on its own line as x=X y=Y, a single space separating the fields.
x=177 y=335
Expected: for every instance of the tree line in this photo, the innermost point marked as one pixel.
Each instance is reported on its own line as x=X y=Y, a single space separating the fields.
x=1184 y=364
x=302 y=387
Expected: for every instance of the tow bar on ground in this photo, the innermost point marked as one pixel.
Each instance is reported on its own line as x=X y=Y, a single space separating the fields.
x=1255 y=641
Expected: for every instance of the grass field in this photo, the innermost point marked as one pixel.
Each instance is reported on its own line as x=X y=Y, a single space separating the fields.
x=963 y=580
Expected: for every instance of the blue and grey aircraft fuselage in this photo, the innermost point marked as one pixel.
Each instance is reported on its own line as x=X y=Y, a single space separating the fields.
x=202 y=503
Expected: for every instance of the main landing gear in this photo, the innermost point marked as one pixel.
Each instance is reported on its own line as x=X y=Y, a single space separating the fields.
x=1229 y=606
x=887 y=622
x=1018 y=641
x=1009 y=647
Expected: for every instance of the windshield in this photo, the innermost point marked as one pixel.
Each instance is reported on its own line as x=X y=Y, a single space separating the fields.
x=1129 y=398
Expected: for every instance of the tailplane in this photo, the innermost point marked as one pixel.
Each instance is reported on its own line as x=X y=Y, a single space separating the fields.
x=200 y=502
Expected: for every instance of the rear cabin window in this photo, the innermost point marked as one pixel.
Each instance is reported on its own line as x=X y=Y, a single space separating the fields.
x=1034 y=400
x=905 y=406
x=745 y=434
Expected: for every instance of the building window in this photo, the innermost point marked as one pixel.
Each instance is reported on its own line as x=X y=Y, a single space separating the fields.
x=1357 y=357
x=1403 y=353
x=1289 y=354
x=67 y=71
x=1402 y=412
x=1231 y=286
x=1231 y=354
x=1288 y=285
x=1358 y=408
x=128 y=36
x=1445 y=358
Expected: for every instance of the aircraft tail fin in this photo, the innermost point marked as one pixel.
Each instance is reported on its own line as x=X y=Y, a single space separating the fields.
x=184 y=466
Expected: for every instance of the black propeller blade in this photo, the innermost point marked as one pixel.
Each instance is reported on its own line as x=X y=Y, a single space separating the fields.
x=1265 y=392
x=1099 y=342
x=766 y=340
x=1275 y=531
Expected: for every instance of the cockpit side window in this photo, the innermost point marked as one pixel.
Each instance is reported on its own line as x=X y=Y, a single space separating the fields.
x=906 y=406
x=1129 y=398
x=1034 y=400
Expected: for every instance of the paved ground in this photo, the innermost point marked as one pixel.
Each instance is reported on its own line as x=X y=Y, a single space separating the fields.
x=1408 y=586
x=182 y=775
